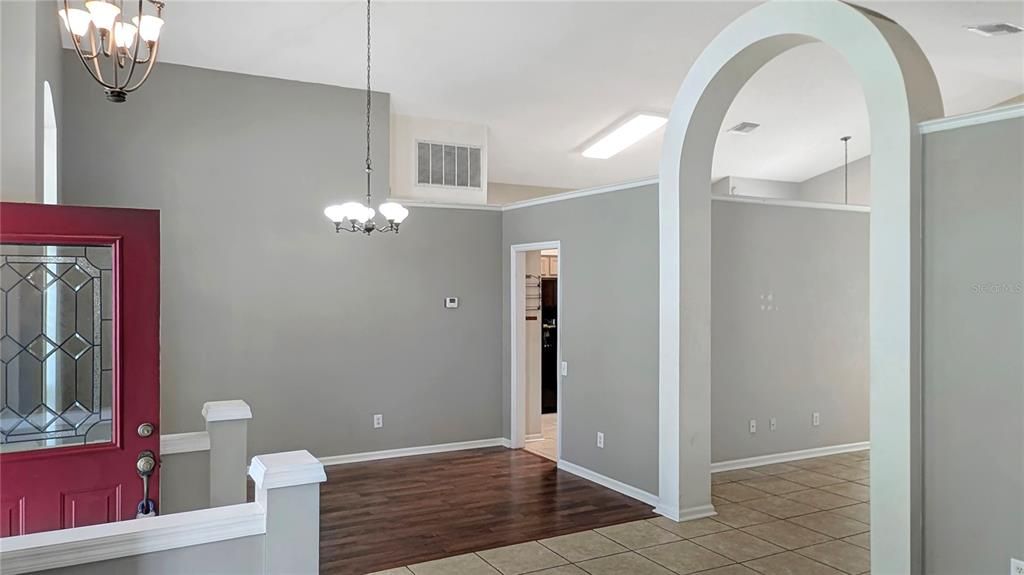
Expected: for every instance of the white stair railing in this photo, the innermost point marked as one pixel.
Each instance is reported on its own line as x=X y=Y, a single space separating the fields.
x=278 y=533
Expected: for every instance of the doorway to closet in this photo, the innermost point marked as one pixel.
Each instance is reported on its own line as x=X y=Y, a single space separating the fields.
x=542 y=353
x=536 y=357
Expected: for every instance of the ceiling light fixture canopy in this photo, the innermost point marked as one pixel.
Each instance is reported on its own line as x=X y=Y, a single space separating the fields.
x=354 y=216
x=630 y=132
x=111 y=38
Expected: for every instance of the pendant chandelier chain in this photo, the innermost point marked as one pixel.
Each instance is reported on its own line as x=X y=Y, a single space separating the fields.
x=355 y=217
x=846 y=169
x=369 y=165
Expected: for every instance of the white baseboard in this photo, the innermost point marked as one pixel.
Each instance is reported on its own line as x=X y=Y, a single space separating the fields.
x=788 y=456
x=407 y=451
x=534 y=437
x=613 y=484
x=680 y=515
x=697 y=512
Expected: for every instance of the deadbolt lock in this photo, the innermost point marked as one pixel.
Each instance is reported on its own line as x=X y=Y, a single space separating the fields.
x=145 y=429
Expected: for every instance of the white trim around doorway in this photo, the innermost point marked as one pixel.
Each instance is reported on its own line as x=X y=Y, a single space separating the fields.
x=517 y=404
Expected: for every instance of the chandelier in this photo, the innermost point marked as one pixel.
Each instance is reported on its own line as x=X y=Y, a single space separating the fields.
x=354 y=216
x=116 y=41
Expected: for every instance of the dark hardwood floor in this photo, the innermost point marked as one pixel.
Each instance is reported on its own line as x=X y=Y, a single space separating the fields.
x=384 y=514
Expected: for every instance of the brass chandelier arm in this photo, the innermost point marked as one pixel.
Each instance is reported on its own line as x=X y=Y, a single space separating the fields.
x=96 y=75
x=95 y=54
x=150 y=61
x=149 y=56
x=357 y=227
x=135 y=53
x=339 y=227
x=154 y=47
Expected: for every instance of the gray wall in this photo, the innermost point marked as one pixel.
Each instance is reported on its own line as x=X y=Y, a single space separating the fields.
x=736 y=186
x=608 y=325
x=261 y=300
x=184 y=482
x=30 y=53
x=828 y=187
x=243 y=555
x=807 y=349
x=810 y=355
x=498 y=193
x=973 y=376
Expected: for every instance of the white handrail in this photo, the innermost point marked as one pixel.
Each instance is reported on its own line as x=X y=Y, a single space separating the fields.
x=53 y=549
x=184 y=442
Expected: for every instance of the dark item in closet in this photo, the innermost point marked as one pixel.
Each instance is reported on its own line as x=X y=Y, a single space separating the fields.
x=549 y=346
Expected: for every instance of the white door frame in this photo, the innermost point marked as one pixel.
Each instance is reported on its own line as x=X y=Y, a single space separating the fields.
x=517 y=416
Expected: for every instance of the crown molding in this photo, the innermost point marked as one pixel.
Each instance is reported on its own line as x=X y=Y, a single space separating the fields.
x=972 y=119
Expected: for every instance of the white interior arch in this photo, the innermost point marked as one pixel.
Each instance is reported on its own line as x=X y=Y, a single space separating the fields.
x=900 y=90
x=49 y=147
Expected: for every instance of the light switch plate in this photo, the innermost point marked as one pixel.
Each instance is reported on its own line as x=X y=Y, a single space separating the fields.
x=600 y=440
x=1016 y=567
x=565 y=368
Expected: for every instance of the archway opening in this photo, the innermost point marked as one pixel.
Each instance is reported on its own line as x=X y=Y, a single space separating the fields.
x=900 y=91
x=50 y=194
x=789 y=419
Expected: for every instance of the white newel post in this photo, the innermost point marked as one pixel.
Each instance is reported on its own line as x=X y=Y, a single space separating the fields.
x=288 y=487
x=227 y=424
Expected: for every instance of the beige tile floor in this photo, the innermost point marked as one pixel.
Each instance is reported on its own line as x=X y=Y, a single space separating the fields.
x=547 y=447
x=808 y=517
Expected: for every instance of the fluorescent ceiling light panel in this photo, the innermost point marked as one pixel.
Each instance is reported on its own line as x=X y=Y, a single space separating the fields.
x=629 y=133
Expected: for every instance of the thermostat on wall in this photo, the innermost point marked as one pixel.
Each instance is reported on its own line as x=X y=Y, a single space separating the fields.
x=451 y=302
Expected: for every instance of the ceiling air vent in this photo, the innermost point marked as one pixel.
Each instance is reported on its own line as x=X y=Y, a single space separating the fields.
x=743 y=128
x=447 y=165
x=999 y=29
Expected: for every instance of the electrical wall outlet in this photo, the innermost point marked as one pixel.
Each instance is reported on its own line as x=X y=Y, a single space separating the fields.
x=771 y=424
x=378 y=421
x=753 y=426
x=600 y=440
x=565 y=368
x=815 y=419
x=1016 y=567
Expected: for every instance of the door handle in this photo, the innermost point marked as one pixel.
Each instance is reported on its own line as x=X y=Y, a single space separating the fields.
x=145 y=464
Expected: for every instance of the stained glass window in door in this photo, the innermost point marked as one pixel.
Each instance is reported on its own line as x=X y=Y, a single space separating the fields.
x=56 y=318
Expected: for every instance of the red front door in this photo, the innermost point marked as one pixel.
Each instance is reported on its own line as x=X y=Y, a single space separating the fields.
x=80 y=349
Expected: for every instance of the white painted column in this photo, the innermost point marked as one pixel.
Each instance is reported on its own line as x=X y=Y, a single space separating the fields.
x=288 y=488
x=227 y=425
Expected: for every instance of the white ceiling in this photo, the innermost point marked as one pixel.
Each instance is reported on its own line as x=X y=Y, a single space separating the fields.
x=545 y=77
